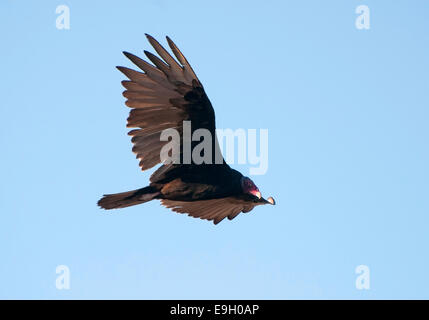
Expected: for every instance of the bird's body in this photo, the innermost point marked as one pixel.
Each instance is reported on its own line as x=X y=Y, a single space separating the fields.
x=165 y=97
x=201 y=182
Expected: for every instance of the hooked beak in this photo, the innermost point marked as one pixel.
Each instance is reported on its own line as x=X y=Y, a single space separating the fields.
x=271 y=200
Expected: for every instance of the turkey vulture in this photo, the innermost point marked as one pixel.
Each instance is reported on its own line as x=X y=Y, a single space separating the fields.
x=164 y=96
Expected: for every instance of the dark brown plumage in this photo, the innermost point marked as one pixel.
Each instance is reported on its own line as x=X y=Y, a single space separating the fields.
x=161 y=97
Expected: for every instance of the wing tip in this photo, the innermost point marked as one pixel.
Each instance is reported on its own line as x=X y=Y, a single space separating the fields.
x=148 y=54
x=122 y=69
x=130 y=56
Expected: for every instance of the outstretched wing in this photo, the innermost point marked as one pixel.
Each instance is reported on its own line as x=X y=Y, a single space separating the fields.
x=161 y=97
x=214 y=209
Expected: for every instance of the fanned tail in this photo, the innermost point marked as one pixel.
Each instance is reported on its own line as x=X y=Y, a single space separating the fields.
x=127 y=199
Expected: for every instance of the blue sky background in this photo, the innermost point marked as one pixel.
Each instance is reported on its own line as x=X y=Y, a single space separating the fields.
x=347 y=113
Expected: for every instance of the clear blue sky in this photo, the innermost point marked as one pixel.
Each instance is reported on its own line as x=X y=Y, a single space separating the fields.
x=347 y=113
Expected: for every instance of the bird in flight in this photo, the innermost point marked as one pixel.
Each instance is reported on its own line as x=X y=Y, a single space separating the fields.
x=166 y=95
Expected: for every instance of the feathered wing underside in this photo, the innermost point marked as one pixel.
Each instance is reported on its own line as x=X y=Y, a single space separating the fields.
x=214 y=209
x=161 y=97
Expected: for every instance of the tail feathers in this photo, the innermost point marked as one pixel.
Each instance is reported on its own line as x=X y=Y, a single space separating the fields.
x=127 y=199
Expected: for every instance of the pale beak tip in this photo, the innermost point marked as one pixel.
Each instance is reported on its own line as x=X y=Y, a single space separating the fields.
x=271 y=200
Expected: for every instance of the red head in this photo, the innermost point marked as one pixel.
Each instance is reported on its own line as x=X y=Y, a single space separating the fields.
x=249 y=187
